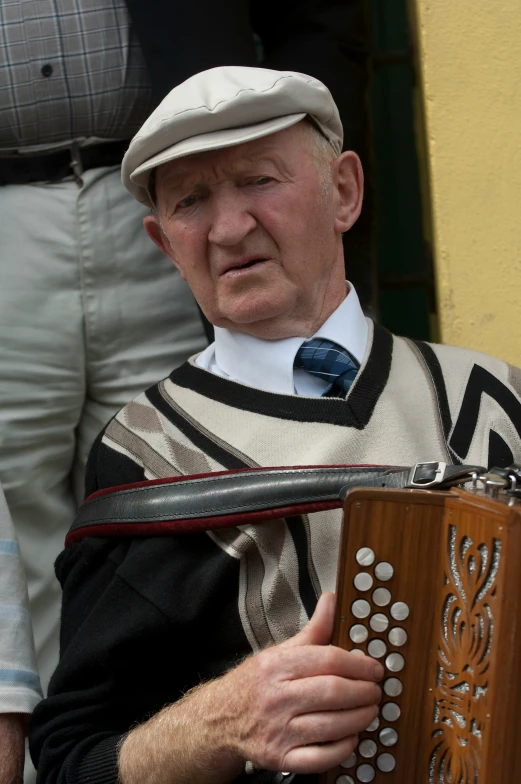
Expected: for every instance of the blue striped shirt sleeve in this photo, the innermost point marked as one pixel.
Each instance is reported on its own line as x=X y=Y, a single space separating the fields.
x=19 y=682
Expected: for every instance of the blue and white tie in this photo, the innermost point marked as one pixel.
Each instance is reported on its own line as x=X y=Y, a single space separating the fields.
x=330 y=362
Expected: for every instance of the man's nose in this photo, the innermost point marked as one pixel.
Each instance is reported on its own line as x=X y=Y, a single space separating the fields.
x=231 y=220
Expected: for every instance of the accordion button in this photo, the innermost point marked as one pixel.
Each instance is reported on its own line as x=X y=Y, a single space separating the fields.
x=377 y=649
x=373 y=726
x=393 y=687
x=400 y=611
x=395 y=662
x=386 y=763
x=397 y=637
x=388 y=736
x=363 y=581
x=344 y=779
x=381 y=597
x=390 y=711
x=365 y=556
x=379 y=622
x=350 y=762
x=365 y=773
x=383 y=571
x=367 y=748
x=358 y=633
x=360 y=608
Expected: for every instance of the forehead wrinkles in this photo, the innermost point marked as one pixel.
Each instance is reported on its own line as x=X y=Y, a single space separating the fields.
x=213 y=172
x=208 y=167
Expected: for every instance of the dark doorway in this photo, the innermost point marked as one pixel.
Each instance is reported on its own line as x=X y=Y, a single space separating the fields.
x=404 y=298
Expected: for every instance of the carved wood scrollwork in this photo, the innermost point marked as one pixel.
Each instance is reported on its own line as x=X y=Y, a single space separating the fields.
x=460 y=693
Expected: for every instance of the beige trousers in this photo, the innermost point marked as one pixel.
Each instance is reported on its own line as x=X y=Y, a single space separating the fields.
x=91 y=314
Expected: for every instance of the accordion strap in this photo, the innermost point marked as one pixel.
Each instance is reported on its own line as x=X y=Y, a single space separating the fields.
x=227 y=498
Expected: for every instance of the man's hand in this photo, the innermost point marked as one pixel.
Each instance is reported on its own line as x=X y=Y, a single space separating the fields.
x=298 y=706
x=295 y=707
x=12 y=734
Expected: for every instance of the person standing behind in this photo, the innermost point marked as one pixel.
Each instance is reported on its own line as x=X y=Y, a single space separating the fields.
x=90 y=311
x=76 y=341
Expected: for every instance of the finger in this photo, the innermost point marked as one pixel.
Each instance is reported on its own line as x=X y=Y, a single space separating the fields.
x=331 y=693
x=329 y=726
x=317 y=759
x=313 y=660
x=319 y=629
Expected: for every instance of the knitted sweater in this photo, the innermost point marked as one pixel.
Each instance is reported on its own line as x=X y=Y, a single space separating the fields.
x=145 y=619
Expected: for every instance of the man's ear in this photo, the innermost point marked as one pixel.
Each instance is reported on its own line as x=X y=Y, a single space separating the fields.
x=348 y=179
x=155 y=232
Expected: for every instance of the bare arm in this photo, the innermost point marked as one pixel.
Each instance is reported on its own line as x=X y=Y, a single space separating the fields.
x=12 y=734
x=295 y=707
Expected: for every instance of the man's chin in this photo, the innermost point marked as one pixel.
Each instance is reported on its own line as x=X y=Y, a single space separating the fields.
x=268 y=324
x=249 y=308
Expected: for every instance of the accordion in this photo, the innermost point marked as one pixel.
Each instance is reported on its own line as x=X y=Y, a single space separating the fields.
x=429 y=583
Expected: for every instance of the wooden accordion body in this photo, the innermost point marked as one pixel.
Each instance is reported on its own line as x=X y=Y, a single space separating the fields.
x=429 y=583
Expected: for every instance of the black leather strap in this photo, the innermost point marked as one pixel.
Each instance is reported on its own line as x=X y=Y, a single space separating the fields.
x=224 y=499
x=20 y=169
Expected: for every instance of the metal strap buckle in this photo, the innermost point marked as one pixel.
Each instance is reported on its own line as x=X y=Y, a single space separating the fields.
x=427 y=474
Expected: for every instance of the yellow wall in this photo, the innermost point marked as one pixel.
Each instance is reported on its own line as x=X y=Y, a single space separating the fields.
x=469 y=54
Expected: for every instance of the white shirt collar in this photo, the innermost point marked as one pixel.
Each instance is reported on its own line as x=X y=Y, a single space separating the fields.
x=268 y=364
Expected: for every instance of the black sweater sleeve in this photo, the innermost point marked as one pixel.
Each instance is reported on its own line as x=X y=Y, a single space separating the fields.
x=143 y=621
x=76 y=729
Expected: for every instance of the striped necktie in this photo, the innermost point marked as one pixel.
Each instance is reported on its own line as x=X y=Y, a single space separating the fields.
x=330 y=362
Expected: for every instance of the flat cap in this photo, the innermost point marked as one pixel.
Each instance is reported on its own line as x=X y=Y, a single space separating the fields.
x=222 y=107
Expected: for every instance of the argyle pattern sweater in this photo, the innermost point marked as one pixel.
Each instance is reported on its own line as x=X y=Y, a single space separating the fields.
x=144 y=619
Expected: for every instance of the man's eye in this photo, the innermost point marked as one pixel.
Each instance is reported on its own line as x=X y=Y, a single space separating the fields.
x=263 y=180
x=188 y=202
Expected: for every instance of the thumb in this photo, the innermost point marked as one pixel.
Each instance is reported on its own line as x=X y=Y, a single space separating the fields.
x=319 y=628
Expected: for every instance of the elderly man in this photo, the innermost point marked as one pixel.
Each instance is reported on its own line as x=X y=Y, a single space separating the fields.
x=202 y=657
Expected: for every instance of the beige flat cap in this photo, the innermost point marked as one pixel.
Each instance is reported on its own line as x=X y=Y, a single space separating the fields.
x=221 y=107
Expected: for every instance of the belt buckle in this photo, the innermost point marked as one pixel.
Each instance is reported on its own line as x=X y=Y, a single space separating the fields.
x=427 y=474
x=76 y=162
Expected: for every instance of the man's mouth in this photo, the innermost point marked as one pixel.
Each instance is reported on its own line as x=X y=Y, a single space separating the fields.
x=246 y=264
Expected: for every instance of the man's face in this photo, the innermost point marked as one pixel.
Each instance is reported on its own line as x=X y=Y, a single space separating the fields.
x=254 y=230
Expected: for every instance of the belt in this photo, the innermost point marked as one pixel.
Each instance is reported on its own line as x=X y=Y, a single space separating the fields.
x=52 y=166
